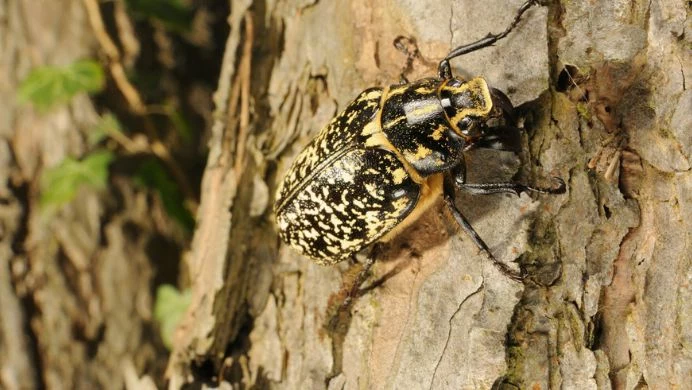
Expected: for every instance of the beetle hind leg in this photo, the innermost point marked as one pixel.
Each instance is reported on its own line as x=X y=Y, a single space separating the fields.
x=354 y=290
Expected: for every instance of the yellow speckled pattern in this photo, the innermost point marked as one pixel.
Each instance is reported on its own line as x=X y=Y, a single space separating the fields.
x=472 y=99
x=343 y=192
x=339 y=135
x=347 y=205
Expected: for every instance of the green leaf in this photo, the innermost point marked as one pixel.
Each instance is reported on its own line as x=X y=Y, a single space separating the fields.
x=106 y=126
x=153 y=175
x=175 y=14
x=48 y=86
x=59 y=184
x=169 y=308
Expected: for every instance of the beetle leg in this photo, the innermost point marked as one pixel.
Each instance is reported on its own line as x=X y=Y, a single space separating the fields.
x=500 y=138
x=466 y=226
x=459 y=173
x=459 y=176
x=444 y=68
x=360 y=278
x=408 y=46
x=512 y=188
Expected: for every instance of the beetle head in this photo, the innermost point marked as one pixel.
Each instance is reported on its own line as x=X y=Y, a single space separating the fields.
x=483 y=116
x=467 y=105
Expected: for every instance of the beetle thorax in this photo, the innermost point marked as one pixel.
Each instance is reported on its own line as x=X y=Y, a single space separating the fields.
x=414 y=121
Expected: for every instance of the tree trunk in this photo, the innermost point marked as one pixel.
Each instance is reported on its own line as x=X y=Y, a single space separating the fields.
x=601 y=86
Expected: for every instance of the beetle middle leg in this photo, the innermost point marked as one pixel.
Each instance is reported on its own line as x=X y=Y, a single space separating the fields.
x=449 y=197
x=409 y=47
x=457 y=179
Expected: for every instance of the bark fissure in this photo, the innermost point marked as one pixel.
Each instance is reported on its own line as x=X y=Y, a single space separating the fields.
x=33 y=348
x=449 y=334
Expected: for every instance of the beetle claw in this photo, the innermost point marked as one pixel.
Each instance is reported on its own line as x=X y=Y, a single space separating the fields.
x=560 y=189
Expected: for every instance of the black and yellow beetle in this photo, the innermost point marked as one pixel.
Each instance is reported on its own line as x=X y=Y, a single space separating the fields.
x=387 y=158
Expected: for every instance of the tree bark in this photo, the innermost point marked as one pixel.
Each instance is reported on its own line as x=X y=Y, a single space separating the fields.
x=601 y=87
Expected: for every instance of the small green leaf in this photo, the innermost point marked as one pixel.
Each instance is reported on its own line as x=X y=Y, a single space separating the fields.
x=48 y=86
x=169 y=308
x=152 y=174
x=108 y=125
x=59 y=184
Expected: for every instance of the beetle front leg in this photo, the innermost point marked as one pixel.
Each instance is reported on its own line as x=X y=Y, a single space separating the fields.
x=459 y=178
x=512 y=188
x=459 y=175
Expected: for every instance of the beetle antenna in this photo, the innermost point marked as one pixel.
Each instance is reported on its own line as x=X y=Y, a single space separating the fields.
x=444 y=68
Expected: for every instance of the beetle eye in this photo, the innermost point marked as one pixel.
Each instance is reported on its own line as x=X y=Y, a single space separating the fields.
x=464 y=124
x=467 y=126
x=454 y=83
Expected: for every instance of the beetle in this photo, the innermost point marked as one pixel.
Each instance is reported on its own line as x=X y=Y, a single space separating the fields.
x=389 y=155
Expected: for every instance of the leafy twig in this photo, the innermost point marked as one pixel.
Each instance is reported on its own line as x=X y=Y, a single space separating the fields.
x=134 y=101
